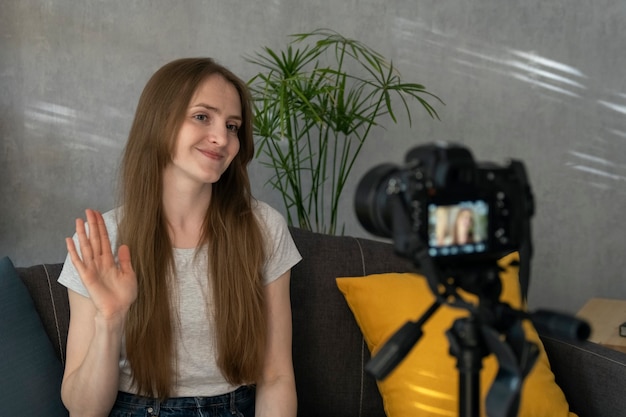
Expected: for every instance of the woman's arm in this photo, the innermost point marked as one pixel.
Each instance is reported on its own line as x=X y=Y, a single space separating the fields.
x=90 y=381
x=91 y=377
x=276 y=391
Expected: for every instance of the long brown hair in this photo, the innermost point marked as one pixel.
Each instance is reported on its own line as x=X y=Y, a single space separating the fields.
x=231 y=233
x=468 y=235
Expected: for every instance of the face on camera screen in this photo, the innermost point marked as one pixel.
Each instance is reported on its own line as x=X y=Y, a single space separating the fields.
x=458 y=229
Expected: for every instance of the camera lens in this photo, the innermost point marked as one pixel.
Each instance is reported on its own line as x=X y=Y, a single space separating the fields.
x=370 y=200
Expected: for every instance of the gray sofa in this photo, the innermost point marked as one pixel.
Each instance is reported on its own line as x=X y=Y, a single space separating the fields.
x=328 y=349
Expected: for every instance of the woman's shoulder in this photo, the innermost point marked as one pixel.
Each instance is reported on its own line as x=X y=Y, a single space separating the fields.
x=112 y=215
x=266 y=213
x=111 y=219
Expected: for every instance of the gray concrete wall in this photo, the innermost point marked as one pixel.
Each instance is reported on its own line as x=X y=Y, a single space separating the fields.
x=542 y=81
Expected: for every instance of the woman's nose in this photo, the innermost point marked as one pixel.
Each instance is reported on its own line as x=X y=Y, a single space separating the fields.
x=218 y=135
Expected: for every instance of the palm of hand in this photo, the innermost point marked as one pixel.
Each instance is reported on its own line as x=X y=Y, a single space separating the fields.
x=112 y=285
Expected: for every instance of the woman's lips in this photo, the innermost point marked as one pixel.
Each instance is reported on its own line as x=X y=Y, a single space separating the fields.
x=211 y=154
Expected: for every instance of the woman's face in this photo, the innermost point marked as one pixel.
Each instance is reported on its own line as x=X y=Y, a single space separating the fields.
x=207 y=141
x=465 y=220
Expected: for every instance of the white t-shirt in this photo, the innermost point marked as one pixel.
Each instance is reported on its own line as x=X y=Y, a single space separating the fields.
x=198 y=374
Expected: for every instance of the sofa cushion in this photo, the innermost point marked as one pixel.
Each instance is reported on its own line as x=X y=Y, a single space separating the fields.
x=31 y=382
x=427 y=380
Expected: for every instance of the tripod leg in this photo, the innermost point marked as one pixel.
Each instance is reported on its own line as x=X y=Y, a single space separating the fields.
x=467 y=346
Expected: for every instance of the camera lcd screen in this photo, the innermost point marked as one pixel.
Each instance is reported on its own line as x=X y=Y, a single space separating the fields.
x=458 y=229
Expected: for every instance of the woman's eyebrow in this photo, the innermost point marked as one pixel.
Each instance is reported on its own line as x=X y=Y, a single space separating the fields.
x=216 y=110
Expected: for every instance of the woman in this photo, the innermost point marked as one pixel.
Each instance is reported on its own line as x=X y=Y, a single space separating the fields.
x=463 y=227
x=180 y=298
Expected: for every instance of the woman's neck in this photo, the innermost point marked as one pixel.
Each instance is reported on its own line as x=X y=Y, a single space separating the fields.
x=185 y=208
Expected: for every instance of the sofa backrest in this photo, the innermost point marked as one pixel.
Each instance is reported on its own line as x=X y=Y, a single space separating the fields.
x=329 y=352
x=51 y=302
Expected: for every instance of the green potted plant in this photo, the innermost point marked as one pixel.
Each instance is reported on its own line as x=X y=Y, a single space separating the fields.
x=315 y=104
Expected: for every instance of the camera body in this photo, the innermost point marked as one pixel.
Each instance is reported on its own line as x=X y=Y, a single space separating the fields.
x=461 y=210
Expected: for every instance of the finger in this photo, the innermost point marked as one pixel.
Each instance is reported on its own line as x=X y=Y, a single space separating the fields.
x=123 y=258
x=80 y=266
x=94 y=232
x=104 y=241
x=71 y=249
x=127 y=273
x=83 y=242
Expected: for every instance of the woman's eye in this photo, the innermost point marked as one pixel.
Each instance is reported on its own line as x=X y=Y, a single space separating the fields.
x=201 y=117
x=232 y=127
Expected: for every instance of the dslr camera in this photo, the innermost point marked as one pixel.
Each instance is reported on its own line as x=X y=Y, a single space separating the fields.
x=443 y=201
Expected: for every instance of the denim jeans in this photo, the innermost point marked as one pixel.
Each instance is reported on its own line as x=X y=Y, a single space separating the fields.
x=239 y=403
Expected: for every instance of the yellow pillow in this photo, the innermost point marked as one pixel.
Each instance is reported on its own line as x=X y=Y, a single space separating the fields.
x=426 y=381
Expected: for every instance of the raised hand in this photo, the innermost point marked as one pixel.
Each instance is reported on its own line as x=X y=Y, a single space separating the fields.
x=112 y=285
